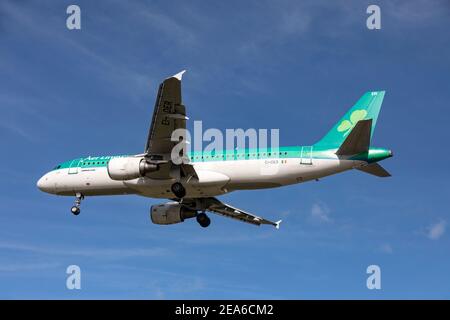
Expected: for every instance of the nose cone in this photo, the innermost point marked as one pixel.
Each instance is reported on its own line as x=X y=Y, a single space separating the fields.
x=44 y=184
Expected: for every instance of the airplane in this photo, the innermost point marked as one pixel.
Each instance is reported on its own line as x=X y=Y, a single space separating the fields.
x=193 y=185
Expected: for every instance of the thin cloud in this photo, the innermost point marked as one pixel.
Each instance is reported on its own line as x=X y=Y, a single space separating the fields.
x=295 y=22
x=170 y=282
x=18 y=130
x=11 y=268
x=171 y=28
x=415 y=12
x=320 y=213
x=226 y=239
x=106 y=68
x=101 y=253
x=437 y=230
x=17 y=112
x=386 y=248
x=285 y=213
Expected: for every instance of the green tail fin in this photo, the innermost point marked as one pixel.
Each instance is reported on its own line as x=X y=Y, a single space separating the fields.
x=367 y=107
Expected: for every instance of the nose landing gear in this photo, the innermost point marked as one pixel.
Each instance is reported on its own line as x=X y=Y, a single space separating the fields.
x=76 y=208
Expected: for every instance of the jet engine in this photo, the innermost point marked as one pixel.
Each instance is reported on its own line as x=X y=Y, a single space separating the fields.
x=128 y=168
x=170 y=213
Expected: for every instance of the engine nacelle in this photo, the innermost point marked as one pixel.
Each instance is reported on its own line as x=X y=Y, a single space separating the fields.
x=128 y=168
x=170 y=213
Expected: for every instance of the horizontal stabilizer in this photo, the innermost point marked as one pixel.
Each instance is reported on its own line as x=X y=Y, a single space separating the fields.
x=376 y=170
x=358 y=141
x=277 y=224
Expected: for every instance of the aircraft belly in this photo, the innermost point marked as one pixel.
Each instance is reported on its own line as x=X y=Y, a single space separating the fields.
x=256 y=174
x=208 y=184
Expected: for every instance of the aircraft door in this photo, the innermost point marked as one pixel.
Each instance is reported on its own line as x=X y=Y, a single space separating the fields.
x=306 y=155
x=73 y=168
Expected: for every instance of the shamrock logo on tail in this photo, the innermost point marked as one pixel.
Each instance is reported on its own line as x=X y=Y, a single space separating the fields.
x=347 y=125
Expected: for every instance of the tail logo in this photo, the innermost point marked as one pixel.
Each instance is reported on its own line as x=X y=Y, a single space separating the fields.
x=347 y=125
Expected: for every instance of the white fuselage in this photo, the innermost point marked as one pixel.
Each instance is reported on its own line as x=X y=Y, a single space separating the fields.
x=214 y=177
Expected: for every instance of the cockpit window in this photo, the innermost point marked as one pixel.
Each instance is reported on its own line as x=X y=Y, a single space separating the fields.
x=57 y=167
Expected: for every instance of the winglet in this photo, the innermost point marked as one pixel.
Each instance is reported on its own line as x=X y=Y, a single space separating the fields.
x=179 y=75
x=277 y=224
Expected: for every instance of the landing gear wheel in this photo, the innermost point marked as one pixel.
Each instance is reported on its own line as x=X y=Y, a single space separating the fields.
x=75 y=210
x=178 y=190
x=203 y=220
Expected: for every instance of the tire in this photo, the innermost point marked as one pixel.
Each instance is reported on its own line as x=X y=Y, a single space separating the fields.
x=178 y=190
x=75 y=210
x=203 y=220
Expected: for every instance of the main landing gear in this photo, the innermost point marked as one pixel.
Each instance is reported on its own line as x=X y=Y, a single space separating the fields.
x=76 y=208
x=178 y=190
x=203 y=220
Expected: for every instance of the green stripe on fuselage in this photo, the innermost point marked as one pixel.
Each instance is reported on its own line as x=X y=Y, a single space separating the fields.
x=234 y=155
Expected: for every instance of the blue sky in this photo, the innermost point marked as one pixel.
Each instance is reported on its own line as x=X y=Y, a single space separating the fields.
x=293 y=65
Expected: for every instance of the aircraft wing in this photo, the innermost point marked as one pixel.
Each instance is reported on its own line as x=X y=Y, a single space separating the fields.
x=169 y=114
x=226 y=210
